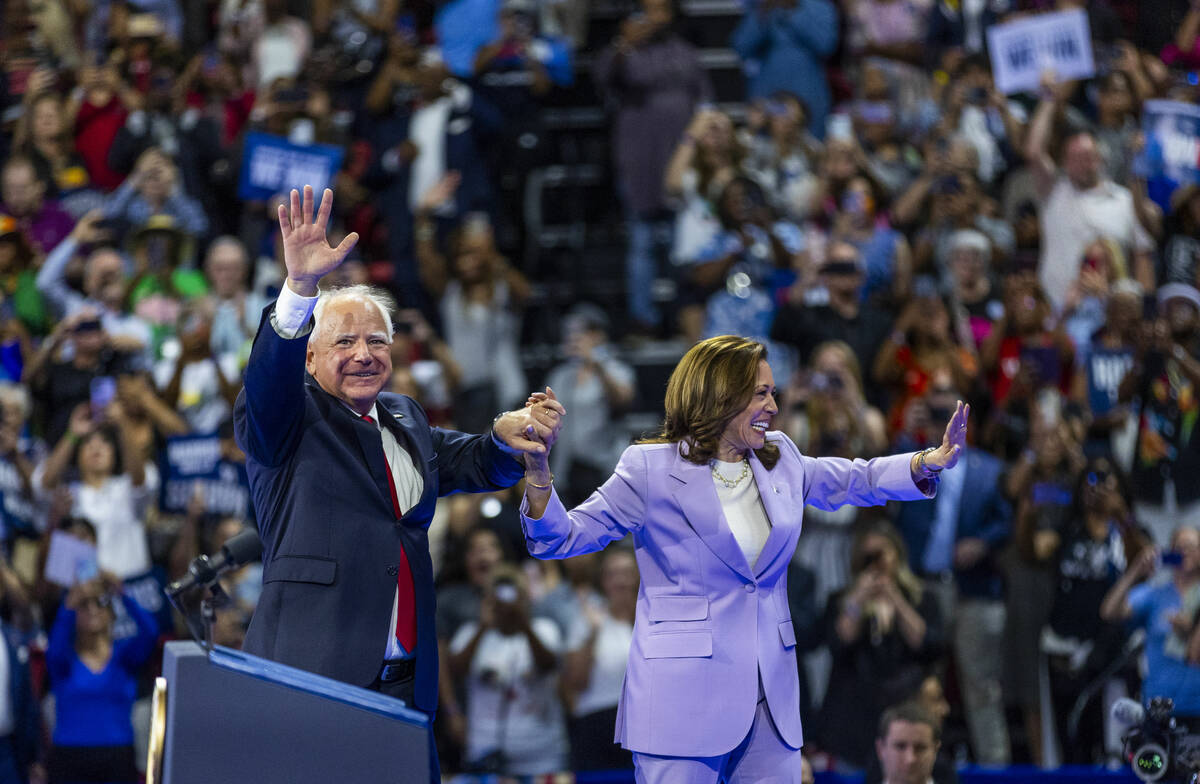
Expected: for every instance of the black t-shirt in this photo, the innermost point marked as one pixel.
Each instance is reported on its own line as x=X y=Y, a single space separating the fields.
x=1087 y=569
x=64 y=386
x=807 y=327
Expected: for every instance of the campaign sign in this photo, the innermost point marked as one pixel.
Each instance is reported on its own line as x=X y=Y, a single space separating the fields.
x=195 y=461
x=1172 y=151
x=272 y=164
x=1023 y=49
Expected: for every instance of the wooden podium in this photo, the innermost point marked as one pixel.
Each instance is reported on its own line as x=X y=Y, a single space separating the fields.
x=230 y=717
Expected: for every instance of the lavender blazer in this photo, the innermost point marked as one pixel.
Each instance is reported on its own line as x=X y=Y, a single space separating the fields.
x=707 y=622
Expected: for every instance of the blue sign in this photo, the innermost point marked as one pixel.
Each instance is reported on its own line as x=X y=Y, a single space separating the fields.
x=272 y=164
x=1172 y=154
x=194 y=462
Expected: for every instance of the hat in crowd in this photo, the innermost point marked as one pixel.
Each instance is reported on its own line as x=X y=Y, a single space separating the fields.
x=1128 y=286
x=971 y=239
x=158 y=223
x=519 y=7
x=1178 y=291
x=144 y=26
x=586 y=316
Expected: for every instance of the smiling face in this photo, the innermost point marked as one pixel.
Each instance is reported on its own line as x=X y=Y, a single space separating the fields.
x=748 y=429
x=350 y=355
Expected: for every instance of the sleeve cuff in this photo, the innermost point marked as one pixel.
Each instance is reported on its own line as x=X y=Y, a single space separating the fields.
x=503 y=447
x=292 y=313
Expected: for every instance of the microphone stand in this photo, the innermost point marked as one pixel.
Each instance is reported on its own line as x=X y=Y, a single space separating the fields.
x=214 y=597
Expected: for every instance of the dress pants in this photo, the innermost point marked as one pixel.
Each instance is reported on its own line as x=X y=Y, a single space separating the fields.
x=762 y=758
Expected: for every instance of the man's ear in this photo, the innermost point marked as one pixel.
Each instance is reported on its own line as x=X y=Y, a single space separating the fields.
x=308 y=360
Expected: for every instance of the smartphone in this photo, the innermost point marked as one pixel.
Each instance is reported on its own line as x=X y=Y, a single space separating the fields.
x=87 y=569
x=104 y=389
x=506 y=593
x=1171 y=558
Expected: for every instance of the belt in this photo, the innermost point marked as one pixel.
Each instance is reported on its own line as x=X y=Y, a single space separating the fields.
x=398 y=670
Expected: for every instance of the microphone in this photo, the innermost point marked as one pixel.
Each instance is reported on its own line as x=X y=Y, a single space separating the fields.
x=1127 y=712
x=203 y=570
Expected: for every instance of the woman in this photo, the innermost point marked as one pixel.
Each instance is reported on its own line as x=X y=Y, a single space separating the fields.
x=885 y=633
x=712 y=608
x=595 y=666
x=1089 y=553
x=94 y=680
x=111 y=496
x=652 y=78
x=480 y=300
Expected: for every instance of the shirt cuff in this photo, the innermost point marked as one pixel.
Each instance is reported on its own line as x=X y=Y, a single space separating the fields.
x=292 y=313
x=503 y=447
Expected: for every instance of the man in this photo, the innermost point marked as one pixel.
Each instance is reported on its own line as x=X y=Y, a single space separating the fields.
x=43 y=222
x=954 y=542
x=908 y=743
x=344 y=480
x=1079 y=205
x=843 y=317
x=104 y=282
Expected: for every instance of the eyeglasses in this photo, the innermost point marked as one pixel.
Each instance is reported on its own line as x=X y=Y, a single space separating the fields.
x=99 y=602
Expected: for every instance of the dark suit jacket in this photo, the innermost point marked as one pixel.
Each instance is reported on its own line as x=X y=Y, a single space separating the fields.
x=983 y=513
x=331 y=543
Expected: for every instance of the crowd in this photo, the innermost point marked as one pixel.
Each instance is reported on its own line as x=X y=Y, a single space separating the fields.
x=899 y=232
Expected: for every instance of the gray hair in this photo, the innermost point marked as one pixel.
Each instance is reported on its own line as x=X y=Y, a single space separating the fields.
x=360 y=293
x=16 y=395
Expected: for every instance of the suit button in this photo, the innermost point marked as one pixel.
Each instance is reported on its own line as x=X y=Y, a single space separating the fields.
x=393 y=570
x=751 y=588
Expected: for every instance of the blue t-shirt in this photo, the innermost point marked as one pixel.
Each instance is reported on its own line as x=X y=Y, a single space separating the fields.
x=1167 y=675
x=92 y=708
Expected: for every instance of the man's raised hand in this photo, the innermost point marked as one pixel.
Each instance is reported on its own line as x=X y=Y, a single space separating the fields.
x=307 y=253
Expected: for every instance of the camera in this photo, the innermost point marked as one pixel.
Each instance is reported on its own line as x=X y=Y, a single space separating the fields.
x=1158 y=749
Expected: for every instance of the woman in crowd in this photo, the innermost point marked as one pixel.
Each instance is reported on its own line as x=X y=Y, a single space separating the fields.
x=1089 y=553
x=595 y=665
x=714 y=504
x=480 y=295
x=94 y=680
x=885 y=633
x=111 y=490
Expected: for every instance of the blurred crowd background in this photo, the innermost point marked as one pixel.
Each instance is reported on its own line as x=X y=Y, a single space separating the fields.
x=571 y=192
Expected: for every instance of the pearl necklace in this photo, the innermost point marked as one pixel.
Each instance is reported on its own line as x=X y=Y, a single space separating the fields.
x=731 y=483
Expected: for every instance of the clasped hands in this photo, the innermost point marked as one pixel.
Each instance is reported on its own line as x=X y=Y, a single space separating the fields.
x=533 y=429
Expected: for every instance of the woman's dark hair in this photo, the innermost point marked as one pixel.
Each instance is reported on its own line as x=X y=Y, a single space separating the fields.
x=711 y=385
x=751 y=191
x=1094 y=472
x=109 y=434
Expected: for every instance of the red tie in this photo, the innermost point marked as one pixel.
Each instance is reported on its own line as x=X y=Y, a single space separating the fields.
x=406 y=604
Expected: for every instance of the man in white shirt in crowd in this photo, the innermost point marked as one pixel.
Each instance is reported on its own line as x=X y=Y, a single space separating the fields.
x=1080 y=204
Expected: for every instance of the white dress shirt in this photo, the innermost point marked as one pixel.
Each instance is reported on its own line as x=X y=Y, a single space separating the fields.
x=744 y=510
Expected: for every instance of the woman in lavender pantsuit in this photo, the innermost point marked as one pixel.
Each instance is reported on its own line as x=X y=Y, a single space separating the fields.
x=714 y=504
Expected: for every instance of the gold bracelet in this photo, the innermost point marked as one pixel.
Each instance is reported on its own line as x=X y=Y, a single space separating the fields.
x=540 y=487
x=923 y=468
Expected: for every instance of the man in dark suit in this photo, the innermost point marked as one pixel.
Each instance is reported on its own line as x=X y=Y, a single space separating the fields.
x=344 y=479
x=954 y=542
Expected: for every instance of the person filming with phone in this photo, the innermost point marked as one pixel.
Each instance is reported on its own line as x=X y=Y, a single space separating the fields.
x=509 y=659
x=1166 y=609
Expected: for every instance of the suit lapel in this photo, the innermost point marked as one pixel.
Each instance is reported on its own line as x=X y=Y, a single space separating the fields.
x=697 y=497
x=342 y=419
x=776 y=502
